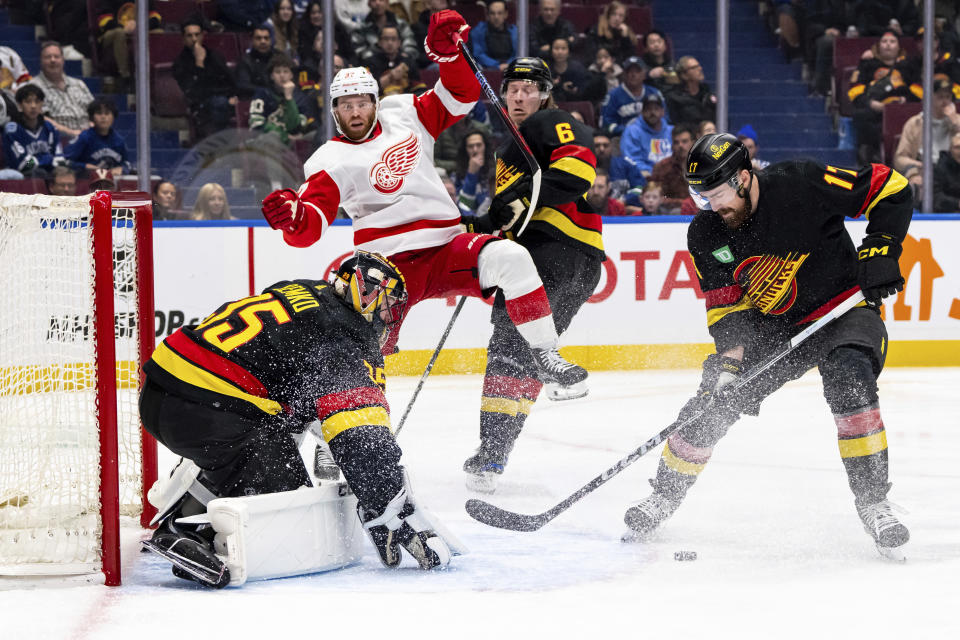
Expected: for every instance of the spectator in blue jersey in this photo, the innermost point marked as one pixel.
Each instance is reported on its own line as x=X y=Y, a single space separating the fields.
x=283 y=109
x=31 y=145
x=100 y=147
x=622 y=105
x=647 y=140
x=625 y=175
x=475 y=169
x=493 y=41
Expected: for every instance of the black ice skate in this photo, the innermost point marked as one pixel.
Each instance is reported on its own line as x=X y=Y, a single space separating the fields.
x=645 y=516
x=483 y=469
x=889 y=534
x=427 y=548
x=564 y=380
x=190 y=552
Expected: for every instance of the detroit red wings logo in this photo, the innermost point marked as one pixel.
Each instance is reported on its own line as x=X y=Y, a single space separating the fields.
x=396 y=162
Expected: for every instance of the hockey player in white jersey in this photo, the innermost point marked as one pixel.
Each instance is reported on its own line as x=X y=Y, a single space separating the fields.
x=379 y=169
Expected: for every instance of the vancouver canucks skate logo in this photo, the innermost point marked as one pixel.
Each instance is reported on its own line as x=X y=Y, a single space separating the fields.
x=396 y=162
x=770 y=281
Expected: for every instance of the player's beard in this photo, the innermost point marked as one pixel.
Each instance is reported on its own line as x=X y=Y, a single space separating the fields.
x=359 y=133
x=734 y=217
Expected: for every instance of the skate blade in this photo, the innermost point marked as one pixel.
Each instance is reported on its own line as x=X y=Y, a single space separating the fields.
x=200 y=573
x=484 y=482
x=558 y=393
x=895 y=554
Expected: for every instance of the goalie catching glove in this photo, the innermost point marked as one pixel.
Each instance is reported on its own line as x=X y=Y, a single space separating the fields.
x=878 y=269
x=283 y=210
x=510 y=205
x=440 y=45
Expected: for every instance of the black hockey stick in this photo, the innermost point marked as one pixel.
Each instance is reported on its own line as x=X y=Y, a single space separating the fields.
x=501 y=111
x=496 y=517
x=433 y=359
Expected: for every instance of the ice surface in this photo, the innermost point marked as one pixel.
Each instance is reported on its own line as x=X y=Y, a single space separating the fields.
x=780 y=550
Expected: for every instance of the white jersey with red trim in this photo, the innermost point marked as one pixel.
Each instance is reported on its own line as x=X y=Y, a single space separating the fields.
x=387 y=183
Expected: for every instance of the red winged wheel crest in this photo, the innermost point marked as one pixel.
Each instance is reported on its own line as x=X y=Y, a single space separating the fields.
x=396 y=162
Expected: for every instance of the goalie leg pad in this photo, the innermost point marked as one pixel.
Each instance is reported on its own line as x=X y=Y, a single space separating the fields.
x=166 y=493
x=290 y=533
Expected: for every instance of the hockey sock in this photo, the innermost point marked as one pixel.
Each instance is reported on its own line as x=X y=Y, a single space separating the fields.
x=680 y=465
x=862 y=440
x=509 y=266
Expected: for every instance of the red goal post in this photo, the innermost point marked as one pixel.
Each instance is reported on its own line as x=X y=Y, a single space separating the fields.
x=76 y=324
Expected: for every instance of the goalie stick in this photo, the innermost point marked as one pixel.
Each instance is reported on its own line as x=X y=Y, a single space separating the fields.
x=501 y=112
x=496 y=517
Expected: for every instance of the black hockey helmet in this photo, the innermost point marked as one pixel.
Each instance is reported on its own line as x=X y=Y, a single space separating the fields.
x=528 y=68
x=373 y=287
x=714 y=160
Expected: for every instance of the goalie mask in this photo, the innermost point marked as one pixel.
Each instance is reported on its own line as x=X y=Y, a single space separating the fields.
x=354 y=81
x=373 y=287
x=713 y=169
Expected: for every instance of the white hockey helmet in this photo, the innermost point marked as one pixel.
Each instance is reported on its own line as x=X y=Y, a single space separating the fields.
x=354 y=81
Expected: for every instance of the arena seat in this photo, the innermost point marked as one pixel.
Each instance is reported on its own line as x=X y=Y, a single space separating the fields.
x=894 y=117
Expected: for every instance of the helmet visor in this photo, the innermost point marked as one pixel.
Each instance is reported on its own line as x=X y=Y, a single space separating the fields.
x=717 y=198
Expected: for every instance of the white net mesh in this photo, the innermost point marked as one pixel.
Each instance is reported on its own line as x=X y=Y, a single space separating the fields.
x=49 y=438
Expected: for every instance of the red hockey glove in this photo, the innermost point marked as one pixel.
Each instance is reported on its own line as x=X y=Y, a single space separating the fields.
x=440 y=45
x=283 y=210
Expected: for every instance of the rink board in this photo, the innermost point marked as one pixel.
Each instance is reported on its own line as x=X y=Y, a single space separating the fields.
x=647 y=310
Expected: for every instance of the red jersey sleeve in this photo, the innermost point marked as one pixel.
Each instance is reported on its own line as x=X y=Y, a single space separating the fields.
x=451 y=98
x=320 y=196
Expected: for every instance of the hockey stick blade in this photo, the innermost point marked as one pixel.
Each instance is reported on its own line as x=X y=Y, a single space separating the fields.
x=501 y=518
x=494 y=516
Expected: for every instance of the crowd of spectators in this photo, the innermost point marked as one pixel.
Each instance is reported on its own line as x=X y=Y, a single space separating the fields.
x=646 y=102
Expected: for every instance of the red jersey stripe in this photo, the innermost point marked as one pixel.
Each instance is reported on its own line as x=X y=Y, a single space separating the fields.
x=349 y=400
x=574 y=151
x=877 y=179
x=859 y=424
x=361 y=236
x=529 y=307
x=216 y=364
x=822 y=310
x=723 y=296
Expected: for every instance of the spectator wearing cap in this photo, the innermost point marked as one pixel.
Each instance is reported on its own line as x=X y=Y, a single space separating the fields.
x=623 y=104
x=669 y=172
x=648 y=139
x=102 y=180
x=908 y=158
x=748 y=137
x=691 y=100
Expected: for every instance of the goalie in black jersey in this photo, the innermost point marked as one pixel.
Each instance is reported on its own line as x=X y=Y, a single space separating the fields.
x=230 y=393
x=563 y=236
x=772 y=255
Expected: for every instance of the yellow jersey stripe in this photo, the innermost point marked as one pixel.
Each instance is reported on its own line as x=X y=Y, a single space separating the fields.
x=865 y=446
x=525 y=406
x=714 y=315
x=184 y=370
x=895 y=183
x=556 y=219
x=679 y=465
x=340 y=422
x=576 y=167
x=498 y=405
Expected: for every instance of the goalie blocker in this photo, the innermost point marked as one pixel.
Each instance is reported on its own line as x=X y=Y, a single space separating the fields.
x=233 y=402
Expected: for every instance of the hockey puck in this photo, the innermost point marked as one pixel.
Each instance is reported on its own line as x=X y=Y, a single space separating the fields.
x=685 y=556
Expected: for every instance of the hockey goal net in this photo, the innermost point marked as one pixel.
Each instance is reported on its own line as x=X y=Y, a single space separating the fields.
x=76 y=321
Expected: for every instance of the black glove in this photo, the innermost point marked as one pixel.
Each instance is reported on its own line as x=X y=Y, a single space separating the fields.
x=477 y=224
x=511 y=204
x=718 y=372
x=878 y=270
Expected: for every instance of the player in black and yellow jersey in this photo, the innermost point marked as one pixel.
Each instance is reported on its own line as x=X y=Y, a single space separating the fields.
x=564 y=239
x=772 y=254
x=229 y=393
